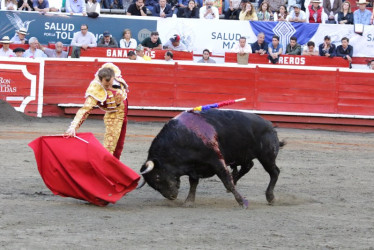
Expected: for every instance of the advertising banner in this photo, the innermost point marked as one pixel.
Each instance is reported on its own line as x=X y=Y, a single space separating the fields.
x=61 y=27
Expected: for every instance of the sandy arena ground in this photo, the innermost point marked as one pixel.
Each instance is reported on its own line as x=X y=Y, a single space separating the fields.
x=324 y=199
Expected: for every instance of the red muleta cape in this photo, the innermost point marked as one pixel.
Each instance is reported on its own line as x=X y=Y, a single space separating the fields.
x=87 y=171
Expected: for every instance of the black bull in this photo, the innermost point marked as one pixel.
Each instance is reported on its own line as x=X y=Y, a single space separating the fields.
x=204 y=144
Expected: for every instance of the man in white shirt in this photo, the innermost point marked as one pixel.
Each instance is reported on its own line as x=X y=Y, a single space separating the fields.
x=82 y=40
x=33 y=51
x=297 y=15
x=5 y=51
x=209 y=11
x=242 y=47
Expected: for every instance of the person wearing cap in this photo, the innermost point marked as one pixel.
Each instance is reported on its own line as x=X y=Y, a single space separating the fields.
x=242 y=47
x=362 y=15
x=141 y=56
x=174 y=43
x=76 y=7
x=275 y=49
x=82 y=40
x=293 y=48
x=41 y=5
x=168 y=56
x=19 y=52
x=315 y=13
x=20 y=36
x=152 y=42
x=107 y=41
x=345 y=50
x=162 y=9
x=5 y=51
x=297 y=15
x=331 y=8
x=33 y=51
x=108 y=90
x=327 y=48
x=345 y=16
x=206 y=57
x=208 y=11
x=58 y=52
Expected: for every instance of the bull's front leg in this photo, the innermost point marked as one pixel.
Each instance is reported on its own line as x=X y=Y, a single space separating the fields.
x=189 y=202
x=224 y=174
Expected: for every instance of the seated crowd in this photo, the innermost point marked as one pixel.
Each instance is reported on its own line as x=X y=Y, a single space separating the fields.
x=84 y=39
x=310 y=11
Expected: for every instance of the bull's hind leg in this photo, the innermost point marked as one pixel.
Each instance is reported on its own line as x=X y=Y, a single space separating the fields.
x=189 y=202
x=270 y=167
x=236 y=175
x=224 y=174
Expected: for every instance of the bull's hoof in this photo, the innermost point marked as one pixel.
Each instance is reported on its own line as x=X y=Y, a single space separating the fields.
x=245 y=203
x=189 y=204
x=270 y=198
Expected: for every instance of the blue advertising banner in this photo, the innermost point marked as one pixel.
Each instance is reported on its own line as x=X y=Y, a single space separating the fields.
x=61 y=27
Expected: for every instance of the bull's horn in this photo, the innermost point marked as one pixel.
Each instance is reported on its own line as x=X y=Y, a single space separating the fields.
x=150 y=165
x=141 y=184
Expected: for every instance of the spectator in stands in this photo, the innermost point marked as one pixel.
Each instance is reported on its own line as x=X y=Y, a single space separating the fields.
x=58 y=52
x=242 y=47
x=371 y=65
x=275 y=50
x=183 y=3
x=174 y=43
x=162 y=9
x=137 y=9
x=233 y=10
x=274 y=5
x=310 y=49
x=345 y=16
x=9 y=5
x=76 y=7
x=293 y=48
x=209 y=11
x=19 y=52
x=41 y=5
x=264 y=14
x=131 y=55
x=20 y=36
x=315 y=13
x=113 y=4
x=152 y=42
x=140 y=54
x=191 y=11
x=107 y=41
x=5 y=51
x=168 y=56
x=302 y=3
x=33 y=51
x=127 y=42
x=281 y=14
x=297 y=15
x=174 y=5
x=362 y=15
x=345 y=50
x=331 y=8
x=260 y=46
x=327 y=48
x=206 y=57
x=55 y=5
x=248 y=13
x=82 y=40
x=92 y=8
x=25 y=5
